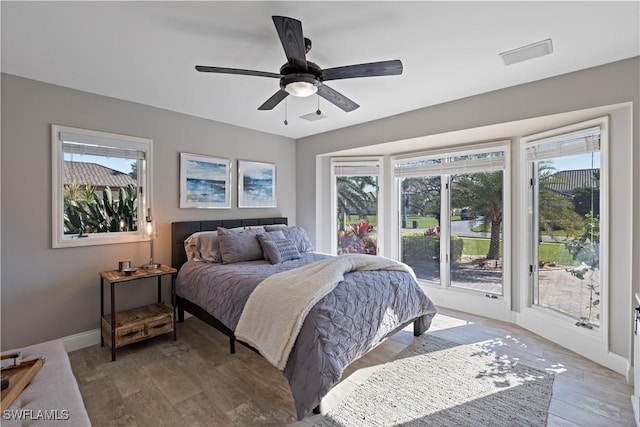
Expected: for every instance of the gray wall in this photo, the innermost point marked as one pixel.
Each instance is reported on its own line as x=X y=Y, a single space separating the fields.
x=606 y=85
x=51 y=293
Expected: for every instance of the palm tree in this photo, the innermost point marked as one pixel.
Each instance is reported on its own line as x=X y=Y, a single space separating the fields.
x=482 y=192
x=353 y=195
x=555 y=210
x=421 y=195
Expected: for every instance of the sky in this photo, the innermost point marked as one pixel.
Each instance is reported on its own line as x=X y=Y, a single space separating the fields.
x=121 y=165
x=582 y=161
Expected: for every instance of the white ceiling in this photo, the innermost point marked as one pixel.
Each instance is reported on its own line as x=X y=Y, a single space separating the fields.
x=146 y=51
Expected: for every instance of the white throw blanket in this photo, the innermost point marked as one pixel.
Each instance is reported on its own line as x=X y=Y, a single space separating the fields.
x=276 y=309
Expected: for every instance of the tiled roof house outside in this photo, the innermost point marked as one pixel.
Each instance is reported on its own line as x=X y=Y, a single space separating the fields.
x=565 y=182
x=82 y=173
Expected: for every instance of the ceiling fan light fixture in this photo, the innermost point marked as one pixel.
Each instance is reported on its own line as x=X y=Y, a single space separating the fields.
x=300 y=85
x=301 y=89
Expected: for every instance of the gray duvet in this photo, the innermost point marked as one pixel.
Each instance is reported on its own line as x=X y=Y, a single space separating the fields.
x=344 y=325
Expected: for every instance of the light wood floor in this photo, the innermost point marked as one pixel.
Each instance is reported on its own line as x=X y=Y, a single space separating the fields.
x=194 y=381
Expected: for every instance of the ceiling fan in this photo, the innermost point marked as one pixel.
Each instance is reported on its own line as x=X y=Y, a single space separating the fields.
x=299 y=77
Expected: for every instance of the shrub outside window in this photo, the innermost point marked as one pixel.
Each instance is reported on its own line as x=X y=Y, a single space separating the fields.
x=100 y=187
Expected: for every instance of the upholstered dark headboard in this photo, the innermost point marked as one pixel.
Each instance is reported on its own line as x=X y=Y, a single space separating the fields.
x=182 y=229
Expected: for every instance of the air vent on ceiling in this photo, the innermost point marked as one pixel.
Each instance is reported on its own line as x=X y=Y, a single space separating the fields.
x=312 y=117
x=525 y=53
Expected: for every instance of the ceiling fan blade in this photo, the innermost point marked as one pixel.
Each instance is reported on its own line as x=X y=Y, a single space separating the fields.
x=336 y=98
x=290 y=33
x=275 y=99
x=372 y=69
x=206 y=69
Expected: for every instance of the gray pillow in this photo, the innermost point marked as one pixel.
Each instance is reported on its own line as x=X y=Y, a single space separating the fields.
x=203 y=246
x=270 y=235
x=238 y=246
x=296 y=234
x=279 y=250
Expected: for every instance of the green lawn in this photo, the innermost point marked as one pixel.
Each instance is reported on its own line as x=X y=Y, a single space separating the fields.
x=423 y=221
x=355 y=219
x=549 y=252
x=486 y=227
x=473 y=246
x=555 y=252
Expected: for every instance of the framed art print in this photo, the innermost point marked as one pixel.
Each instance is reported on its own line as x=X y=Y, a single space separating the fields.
x=205 y=182
x=256 y=184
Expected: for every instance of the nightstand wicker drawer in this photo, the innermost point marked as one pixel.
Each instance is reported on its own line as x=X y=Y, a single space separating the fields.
x=138 y=324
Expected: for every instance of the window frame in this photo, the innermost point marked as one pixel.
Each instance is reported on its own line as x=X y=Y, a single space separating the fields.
x=460 y=298
x=375 y=161
x=58 y=238
x=542 y=320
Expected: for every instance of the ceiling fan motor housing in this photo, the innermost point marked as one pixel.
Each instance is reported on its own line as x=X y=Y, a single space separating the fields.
x=313 y=76
x=298 y=77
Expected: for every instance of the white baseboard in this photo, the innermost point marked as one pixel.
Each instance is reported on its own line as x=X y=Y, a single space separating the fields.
x=81 y=340
x=87 y=338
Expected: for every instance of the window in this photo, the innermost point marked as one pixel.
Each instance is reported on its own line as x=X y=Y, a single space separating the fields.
x=357 y=208
x=100 y=187
x=566 y=212
x=451 y=218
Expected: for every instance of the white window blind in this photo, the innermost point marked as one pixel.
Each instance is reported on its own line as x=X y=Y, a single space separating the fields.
x=363 y=169
x=571 y=144
x=450 y=165
x=100 y=146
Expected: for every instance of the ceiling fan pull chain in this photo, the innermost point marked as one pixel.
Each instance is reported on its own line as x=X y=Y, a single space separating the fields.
x=285 y=113
x=318 y=112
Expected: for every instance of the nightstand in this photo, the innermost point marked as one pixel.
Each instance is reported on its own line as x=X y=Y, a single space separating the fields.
x=137 y=324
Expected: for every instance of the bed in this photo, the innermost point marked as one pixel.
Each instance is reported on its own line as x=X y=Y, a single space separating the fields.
x=351 y=319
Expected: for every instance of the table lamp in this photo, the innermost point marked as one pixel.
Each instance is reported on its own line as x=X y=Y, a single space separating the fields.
x=150 y=230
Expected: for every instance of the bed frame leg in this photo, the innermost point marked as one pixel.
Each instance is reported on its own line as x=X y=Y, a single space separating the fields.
x=316 y=410
x=416 y=328
x=232 y=345
x=180 y=315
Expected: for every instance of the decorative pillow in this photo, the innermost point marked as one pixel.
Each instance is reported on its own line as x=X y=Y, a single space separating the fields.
x=240 y=245
x=270 y=235
x=296 y=234
x=280 y=250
